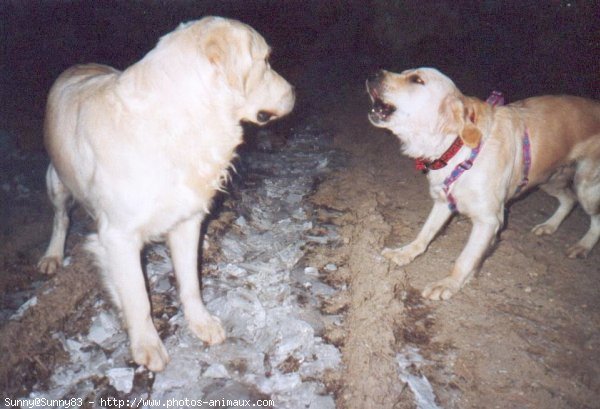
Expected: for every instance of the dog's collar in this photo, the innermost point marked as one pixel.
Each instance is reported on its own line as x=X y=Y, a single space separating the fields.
x=442 y=161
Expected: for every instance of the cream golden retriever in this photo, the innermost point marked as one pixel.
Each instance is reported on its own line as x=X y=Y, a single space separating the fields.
x=145 y=150
x=479 y=156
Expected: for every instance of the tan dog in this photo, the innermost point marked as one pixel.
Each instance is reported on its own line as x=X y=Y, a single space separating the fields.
x=551 y=141
x=144 y=150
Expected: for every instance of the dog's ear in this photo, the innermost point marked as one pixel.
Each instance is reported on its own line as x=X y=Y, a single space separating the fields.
x=222 y=49
x=215 y=50
x=471 y=134
x=459 y=115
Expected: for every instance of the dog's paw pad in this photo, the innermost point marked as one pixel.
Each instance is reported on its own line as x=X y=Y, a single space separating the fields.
x=49 y=265
x=209 y=330
x=152 y=355
x=441 y=290
x=399 y=256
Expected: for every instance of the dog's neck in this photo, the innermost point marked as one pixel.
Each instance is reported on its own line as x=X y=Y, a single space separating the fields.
x=426 y=145
x=443 y=160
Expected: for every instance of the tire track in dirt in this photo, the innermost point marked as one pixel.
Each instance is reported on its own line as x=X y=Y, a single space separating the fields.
x=371 y=371
x=374 y=309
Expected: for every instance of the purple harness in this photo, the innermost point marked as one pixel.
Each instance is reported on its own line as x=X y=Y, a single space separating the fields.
x=495 y=99
x=526 y=162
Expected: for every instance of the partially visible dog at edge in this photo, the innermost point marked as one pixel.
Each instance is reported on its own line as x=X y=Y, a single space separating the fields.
x=144 y=151
x=478 y=156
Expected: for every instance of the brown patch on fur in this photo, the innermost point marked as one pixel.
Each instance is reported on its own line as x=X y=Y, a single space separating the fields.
x=459 y=116
x=470 y=134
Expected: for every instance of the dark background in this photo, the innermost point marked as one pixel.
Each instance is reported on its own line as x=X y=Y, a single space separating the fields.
x=523 y=48
x=327 y=49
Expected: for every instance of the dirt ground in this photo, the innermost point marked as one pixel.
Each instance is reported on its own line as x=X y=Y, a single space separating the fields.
x=524 y=333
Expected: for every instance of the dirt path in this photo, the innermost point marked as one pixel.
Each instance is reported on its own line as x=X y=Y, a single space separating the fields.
x=524 y=333
x=373 y=308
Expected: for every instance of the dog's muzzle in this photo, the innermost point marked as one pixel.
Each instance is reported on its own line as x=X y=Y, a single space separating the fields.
x=380 y=111
x=264 y=116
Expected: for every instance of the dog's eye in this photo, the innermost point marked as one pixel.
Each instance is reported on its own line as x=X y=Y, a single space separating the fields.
x=415 y=79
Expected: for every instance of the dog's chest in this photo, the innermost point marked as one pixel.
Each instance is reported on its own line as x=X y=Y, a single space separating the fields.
x=451 y=188
x=187 y=192
x=438 y=189
x=437 y=192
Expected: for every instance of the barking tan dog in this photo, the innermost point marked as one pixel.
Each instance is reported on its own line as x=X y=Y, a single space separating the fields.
x=144 y=150
x=478 y=156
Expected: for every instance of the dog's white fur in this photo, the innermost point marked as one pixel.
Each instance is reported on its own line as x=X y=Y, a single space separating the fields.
x=144 y=150
x=429 y=112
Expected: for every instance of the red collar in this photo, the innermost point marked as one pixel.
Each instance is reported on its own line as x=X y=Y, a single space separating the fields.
x=425 y=166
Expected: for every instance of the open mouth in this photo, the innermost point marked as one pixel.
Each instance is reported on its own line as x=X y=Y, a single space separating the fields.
x=264 y=116
x=380 y=111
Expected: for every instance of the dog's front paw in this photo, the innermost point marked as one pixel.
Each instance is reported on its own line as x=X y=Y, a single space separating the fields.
x=401 y=256
x=49 y=264
x=441 y=290
x=544 y=229
x=209 y=329
x=151 y=353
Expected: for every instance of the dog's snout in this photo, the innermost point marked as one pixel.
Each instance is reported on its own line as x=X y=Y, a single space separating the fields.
x=376 y=76
x=264 y=116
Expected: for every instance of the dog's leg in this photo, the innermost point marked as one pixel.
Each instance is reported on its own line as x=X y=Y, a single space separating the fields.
x=558 y=186
x=118 y=254
x=482 y=234
x=183 y=243
x=587 y=187
x=439 y=215
x=60 y=197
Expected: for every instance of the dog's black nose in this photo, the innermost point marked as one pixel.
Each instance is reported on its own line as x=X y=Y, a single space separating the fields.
x=264 y=116
x=376 y=76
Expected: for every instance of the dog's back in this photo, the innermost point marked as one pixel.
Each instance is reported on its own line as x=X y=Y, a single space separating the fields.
x=71 y=99
x=563 y=129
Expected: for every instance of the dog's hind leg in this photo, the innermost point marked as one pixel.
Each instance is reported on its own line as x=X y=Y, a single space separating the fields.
x=587 y=187
x=60 y=197
x=558 y=187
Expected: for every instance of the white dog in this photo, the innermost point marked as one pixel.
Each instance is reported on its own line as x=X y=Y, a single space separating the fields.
x=144 y=150
x=478 y=156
